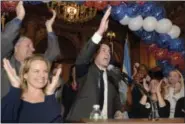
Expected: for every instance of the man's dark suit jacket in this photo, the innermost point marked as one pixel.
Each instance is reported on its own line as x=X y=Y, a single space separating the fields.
x=88 y=82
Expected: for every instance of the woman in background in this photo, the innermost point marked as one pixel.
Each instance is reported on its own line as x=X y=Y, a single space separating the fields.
x=174 y=89
x=156 y=89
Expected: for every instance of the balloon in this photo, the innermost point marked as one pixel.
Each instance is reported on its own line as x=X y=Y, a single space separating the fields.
x=133 y=10
x=150 y=23
x=152 y=48
x=174 y=32
x=100 y=5
x=147 y=8
x=161 y=54
x=176 y=59
x=177 y=45
x=114 y=3
x=149 y=37
x=166 y=66
x=168 y=69
x=163 y=40
x=135 y=23
x=89 y=3
x=118 y=12
x=162 y=63
x=164 y=26
x=125 y=20
x=159 y=12
x=8 y=6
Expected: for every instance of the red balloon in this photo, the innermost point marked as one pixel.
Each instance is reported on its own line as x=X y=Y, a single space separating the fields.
x=114 y=3
x=161 y=54
x=89 y=3
x=8 y=6
x=152 y=48
x=140 y=2
x=100 y=5
x=177 y=59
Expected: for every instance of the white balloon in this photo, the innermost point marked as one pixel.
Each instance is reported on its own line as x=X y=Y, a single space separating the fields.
x=174 y=32
x=135 y=23
x=125 y=20
x=164 y=25
x=46 y=1
x=150 y=23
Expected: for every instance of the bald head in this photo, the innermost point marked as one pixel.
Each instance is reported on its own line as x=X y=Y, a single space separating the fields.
x=23 y=48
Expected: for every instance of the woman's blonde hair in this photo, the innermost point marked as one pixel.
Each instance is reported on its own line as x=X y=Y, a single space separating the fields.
x=26 y=66
x=180 y=76
x=181 y=81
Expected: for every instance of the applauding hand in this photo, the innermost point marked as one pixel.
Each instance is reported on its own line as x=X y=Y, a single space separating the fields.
x=51 y=87
x=14 y=79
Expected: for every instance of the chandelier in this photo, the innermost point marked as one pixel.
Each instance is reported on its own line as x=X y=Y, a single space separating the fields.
x=72 y=12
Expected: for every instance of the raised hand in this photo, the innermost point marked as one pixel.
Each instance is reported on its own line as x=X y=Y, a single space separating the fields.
x=145 y=85
x=50 y=22
x=104 y=22
x=14 y=79
x=51 y=87
x=158 y=89
x=148 y=78
x=20 y=11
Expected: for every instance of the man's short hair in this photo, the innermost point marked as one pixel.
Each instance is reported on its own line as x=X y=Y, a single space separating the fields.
x=22 y=38
x=106 y=42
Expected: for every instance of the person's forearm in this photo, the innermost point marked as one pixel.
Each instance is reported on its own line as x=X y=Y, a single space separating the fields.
x=161 y=100
x=8 y=35
x=143 y=100
x=53 y=49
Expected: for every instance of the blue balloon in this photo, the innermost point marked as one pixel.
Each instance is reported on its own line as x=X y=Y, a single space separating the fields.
x=148 y=8
x=165 y=66
x=133 y=10
x=163 y=40
x=118 y=12
x=159 y=12
x=147 y=37
x=79 y=2
x=139 y=32
x=162 y=63
x=167 y=70
x=122 y=10
x=177 y=45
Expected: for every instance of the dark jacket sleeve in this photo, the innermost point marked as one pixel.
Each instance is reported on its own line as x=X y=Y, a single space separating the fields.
x=118 y=103
x=179 y=106
x=53 y=49
x=143 y=112
x=54 y=108
x=84 y=58
x=164 y=112
x=8 y=35
x=10 y=106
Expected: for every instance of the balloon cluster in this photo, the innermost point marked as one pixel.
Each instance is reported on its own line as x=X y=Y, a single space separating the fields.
x=8 y=6
x=147 y=20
